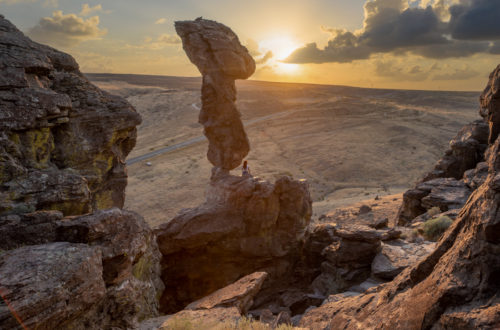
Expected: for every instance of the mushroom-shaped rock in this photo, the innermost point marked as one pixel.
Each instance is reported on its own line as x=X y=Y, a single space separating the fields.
x=218 y=54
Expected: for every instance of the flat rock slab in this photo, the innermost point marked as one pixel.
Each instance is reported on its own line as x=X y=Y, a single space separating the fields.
x=239 y=294
x=394 y=257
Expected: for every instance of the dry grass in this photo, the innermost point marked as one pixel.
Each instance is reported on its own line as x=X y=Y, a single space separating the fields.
x=182 y=323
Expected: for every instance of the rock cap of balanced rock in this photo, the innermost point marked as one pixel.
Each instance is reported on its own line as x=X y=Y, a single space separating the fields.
x=215 y=48
x=221 y=59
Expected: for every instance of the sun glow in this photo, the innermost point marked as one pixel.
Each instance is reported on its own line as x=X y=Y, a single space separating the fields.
x=281 y=47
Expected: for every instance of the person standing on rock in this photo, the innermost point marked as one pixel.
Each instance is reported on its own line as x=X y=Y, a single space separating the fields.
x=245 y=170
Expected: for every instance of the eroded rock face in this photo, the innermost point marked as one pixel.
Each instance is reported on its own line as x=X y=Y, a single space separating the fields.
x=74 y=269
x=455 y=287
x=221 y=59
x=245 y=225
x=71 y=262
x=490 y=104
x=63 y=141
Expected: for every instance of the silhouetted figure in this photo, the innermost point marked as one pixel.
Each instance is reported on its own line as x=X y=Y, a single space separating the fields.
x=245 y=170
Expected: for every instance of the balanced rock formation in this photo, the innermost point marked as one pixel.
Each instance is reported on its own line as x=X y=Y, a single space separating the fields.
x=455 y=287
x=218 y=54
x=245 y=225
x=69 y=257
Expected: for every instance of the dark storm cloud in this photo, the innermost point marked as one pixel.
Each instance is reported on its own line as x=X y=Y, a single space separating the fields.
x=475 y=20
x=391 y=26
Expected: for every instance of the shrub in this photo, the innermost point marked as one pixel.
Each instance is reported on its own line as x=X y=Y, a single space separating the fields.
x=433 y=211
x=434 y=228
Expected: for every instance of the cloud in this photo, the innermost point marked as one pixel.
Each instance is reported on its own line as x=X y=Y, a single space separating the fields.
x=66 y=30
x=267 y=56
x=160 y=42
x=253 y=48
x=421 y=28
x=475 y=20
x=400 y=71
x=87 y=10
x=161 y=20
x=457 y=74
x=169 y=39
x=46 y=3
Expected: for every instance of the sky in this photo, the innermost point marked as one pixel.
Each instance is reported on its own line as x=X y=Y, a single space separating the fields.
x=404 y=44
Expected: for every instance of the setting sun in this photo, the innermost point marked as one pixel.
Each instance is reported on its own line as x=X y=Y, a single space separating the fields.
x=281 y=47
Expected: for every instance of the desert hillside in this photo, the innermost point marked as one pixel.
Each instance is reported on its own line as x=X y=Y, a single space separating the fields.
x=349 y=143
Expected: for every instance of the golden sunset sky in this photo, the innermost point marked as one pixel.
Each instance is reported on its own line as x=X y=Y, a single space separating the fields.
x=422 y=44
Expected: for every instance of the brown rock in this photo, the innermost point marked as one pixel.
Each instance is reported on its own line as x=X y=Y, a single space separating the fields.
x=454 y=287
x=246 y=225
x=490 y=104
x=395 y=256
x=49 y=286
x=466 y=150
x=239 y=294
x=221 y=59
x=47 y=109
x=444 y=193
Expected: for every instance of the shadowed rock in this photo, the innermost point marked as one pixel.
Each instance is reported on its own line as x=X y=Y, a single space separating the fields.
x=221 y=59
x=246 y=225
x=72 y=263
x=490 y=104
x=454 y=287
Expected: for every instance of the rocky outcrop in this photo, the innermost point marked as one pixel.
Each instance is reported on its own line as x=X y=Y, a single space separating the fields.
x=450 y=182
x=444 y=193
x=347 y=257
x=395 y=256
x=218 y=54
x=66 y=259
x=455 y=287
x=466 y=150
x=489 y=102
x=245 y=225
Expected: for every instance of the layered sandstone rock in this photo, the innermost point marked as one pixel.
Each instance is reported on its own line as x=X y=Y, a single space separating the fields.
x=456 y=286
x=66 y=259
x=245 y=225
x=63 y=141
x=221 y=59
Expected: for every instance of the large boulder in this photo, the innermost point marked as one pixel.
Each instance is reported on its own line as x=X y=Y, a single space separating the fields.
x=245 y=225
x=71 y=261
x=218 y=54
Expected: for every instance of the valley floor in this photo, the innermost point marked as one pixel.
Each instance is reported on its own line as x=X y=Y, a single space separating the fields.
x=351 y=144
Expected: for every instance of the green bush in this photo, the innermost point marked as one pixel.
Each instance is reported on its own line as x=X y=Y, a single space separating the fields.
x=433 y=211
x=434 y=228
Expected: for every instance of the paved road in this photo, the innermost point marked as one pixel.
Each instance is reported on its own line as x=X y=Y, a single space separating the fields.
x=198 y=139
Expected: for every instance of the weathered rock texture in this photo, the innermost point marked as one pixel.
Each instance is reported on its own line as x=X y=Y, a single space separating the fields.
x=218 y=54
x=63 y=141
x=70 y=261
x=245 y=225
x=455 y=287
